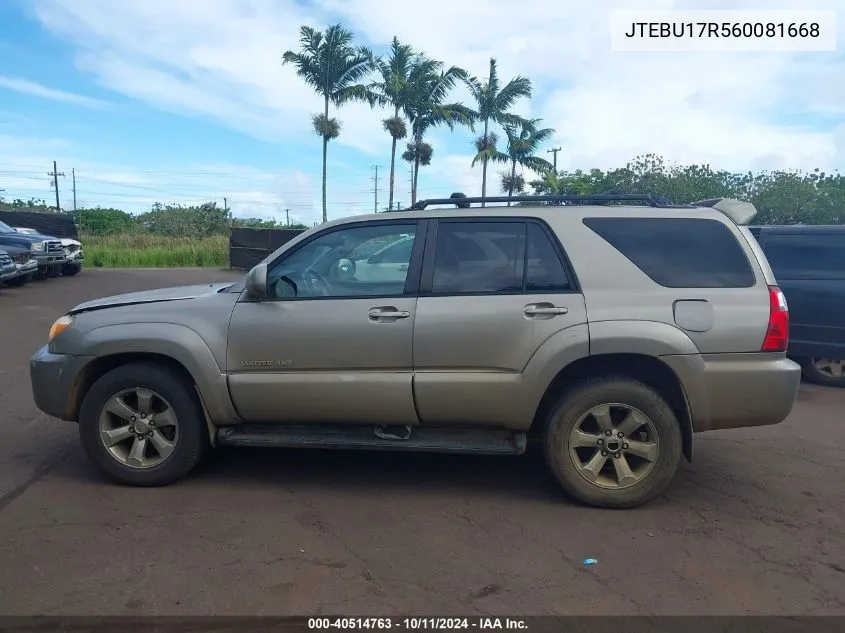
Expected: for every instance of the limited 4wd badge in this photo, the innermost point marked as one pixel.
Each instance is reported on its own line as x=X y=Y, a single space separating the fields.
x=266 y=363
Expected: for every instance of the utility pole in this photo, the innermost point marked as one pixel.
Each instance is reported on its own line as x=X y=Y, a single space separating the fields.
x=375 y=188
x=55 y=174
x=73 y=175
x=554 y=151
x=287 y=217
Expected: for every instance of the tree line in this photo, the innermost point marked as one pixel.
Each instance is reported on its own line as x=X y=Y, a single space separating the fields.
x=781 y=197
x=168 y=220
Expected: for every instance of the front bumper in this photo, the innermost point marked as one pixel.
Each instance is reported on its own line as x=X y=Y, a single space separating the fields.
x=728 y=391
x=45 y=260
x=8 y=272
x=53 y=378
x=24 y=269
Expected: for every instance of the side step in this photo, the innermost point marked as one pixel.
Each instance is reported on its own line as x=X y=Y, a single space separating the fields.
x=430 y=440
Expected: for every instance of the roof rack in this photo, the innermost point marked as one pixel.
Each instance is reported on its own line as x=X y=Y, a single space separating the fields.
x=461 y=201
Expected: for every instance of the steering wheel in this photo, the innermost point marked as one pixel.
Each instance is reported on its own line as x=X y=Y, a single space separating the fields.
x=317 y=283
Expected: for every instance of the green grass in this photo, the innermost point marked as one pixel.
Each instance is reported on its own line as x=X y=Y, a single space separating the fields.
x=153 y=251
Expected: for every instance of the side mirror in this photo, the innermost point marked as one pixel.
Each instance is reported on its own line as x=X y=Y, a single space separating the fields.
x=256 y=282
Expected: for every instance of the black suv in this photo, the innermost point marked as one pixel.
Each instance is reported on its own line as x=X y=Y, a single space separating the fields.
x=809 y=264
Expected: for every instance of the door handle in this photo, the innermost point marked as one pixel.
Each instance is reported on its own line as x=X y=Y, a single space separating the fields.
x=388 y=313
x=403 y=267
x=544 y=310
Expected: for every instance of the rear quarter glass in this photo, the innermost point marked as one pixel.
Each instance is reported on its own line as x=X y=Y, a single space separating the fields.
x=679 y=252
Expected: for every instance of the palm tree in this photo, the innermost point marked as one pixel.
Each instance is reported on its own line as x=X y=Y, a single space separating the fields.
x=493 y=103
x=331 y=64
x=524 y=139
x=394 y=90
x=430 y=85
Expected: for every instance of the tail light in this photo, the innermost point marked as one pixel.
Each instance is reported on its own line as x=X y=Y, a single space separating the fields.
x=777 y=334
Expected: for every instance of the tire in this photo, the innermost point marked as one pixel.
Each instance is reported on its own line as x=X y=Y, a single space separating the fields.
x=169 y=388
x=20 y=281
x=573 y=411
x=823 y=371
x=69 y=270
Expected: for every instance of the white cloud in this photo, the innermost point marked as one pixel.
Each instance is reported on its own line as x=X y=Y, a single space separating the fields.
x=222 y=59
x=26 y=86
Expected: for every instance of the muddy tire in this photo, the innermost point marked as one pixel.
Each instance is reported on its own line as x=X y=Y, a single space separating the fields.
x=612 y=443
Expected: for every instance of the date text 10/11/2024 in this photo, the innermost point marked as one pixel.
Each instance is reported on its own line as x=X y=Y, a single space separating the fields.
x=418 y=624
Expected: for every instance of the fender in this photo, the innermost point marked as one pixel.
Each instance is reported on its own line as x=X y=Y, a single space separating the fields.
x=649 y=338
x=175 y=341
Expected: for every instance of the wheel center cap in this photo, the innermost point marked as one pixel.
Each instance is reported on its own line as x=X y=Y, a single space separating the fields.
x=614 y=446
x=141 y=427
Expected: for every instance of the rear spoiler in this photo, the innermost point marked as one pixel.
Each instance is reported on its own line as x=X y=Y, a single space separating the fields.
x=738 y=211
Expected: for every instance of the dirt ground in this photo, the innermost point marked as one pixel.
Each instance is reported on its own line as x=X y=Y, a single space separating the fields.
x=756 y=525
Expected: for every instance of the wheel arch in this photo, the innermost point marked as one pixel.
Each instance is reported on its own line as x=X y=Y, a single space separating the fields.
x=640 y=367
x=172 y=345
x=102 y=365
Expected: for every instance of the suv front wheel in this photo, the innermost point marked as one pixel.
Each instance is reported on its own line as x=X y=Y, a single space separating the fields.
x=142 y=425
x=613 y=443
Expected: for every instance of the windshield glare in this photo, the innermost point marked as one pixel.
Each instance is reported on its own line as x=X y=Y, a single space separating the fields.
x=5 y=228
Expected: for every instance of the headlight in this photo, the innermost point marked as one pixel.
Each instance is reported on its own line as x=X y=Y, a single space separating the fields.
x=38 y=246
x=59 y=326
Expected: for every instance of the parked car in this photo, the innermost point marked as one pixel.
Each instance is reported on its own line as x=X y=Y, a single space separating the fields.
x=611 y=333
x=74 y=255
x=809 y=264
x=25 y=265
x=7 y=267
x=47 y=251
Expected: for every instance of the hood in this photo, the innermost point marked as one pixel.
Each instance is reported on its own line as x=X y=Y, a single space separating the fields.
x=14 y=250
x=151 y=296
x=66 y=241
x=20 y=239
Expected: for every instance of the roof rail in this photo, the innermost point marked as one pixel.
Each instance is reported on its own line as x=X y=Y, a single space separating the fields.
x=459 y=200
x=741 y=213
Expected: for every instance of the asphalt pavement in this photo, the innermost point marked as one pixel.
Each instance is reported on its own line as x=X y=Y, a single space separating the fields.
x=756 y=525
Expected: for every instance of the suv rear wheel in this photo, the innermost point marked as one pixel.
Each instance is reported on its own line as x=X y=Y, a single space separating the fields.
x=142 y=425
x=613 y=443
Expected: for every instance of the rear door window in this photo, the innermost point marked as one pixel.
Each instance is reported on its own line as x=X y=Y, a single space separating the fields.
x=679 y=252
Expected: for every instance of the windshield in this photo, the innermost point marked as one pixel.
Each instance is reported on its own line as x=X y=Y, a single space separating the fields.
x=5 y=228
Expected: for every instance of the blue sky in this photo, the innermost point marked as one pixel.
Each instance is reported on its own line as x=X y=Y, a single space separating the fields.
x=181 y=100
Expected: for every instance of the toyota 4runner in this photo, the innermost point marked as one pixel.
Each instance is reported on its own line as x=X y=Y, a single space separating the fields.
x=610 y=328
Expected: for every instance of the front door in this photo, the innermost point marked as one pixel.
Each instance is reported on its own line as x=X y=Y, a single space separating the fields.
x=486 y=306
x=326 y=346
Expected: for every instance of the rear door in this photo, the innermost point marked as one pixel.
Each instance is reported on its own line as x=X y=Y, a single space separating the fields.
x=492 y=292
x=809 y=265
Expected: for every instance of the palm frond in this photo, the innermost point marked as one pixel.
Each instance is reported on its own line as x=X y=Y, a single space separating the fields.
x=535 y=163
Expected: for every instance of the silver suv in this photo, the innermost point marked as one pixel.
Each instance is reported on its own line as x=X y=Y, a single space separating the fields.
x=609 y=328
